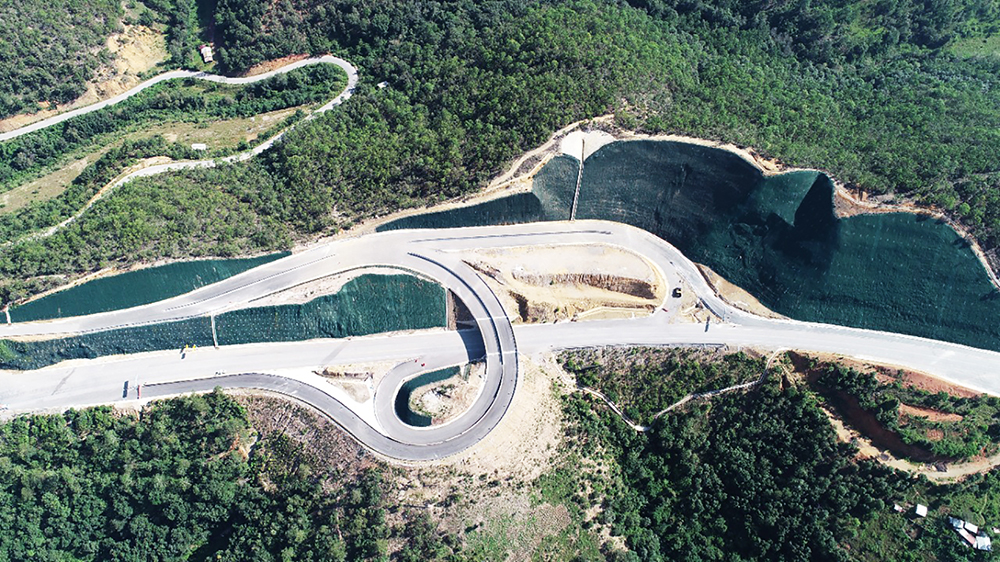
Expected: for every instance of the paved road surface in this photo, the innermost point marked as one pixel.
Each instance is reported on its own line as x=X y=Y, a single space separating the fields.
x=352 y=81
x=176 y=74
x=438 y=254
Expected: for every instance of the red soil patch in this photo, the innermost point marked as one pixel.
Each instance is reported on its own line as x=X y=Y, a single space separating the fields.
x=934 y=435
x=935 y=385
x=932 y=415
x=274 y=64
x=889 y=374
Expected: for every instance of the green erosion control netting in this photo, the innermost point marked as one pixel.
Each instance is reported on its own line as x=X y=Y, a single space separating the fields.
x=173 y=335
x=366 y=305
x=776 y=237
x=135 y=288
x=550 y=202
x=402 y=404
x=369 y=304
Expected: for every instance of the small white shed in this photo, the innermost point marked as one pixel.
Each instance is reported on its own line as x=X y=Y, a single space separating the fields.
x=206 y=53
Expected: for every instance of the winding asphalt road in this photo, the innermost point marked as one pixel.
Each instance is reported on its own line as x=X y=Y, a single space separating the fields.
x=352 y=81
x=352 y=78
x=440 y=255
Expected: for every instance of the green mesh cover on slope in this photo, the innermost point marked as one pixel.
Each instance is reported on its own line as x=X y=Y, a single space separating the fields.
x=402 y=404
x=135 y=288
x=777 y=237
x=367 y=305
x=551 y=200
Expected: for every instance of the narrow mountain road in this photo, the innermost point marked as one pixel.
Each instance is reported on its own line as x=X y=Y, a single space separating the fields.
x=352 y=81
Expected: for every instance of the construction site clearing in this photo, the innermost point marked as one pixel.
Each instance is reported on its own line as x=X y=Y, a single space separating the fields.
x=564 y=282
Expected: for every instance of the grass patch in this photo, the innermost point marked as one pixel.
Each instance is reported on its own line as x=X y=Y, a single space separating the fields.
x=221 y=137
x=644 y=380
x=976 y=47
x=183 y=100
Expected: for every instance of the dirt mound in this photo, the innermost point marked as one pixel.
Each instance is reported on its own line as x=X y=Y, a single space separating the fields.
x=625 y=285
x=932 y=415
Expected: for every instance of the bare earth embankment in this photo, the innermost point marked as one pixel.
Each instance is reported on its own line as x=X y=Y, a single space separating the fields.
x=570 y=282
x=137 y=49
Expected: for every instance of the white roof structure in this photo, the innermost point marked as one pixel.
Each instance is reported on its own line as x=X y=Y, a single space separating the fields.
x=983 y=543
x=199 y=146
x=971 y=528
x=206 y=52
x=921 y=510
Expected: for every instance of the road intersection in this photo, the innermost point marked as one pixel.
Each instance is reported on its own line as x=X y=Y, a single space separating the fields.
x=439 y=255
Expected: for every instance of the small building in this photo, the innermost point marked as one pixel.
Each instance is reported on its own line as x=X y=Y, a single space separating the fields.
x=382 y=85
x=206 y=53
x=199 y=146
x=970 y=533
x=921 y=510
x=968 y=537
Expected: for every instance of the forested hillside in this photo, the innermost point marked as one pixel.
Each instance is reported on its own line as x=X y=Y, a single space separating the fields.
x=870 y=92
x=51 y=50
x=176 y=484
x=755 y=475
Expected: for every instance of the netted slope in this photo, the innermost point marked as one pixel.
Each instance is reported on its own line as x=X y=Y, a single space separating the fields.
x=402 y=404
x=777 y=237
x=135 y=288
x=550 y=200
x=367 y=305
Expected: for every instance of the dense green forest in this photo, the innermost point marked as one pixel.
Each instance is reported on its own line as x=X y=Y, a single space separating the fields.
x=870 y=92
x=175 y=483
x=50 y=51
x=188 y=24
x=755 y=475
